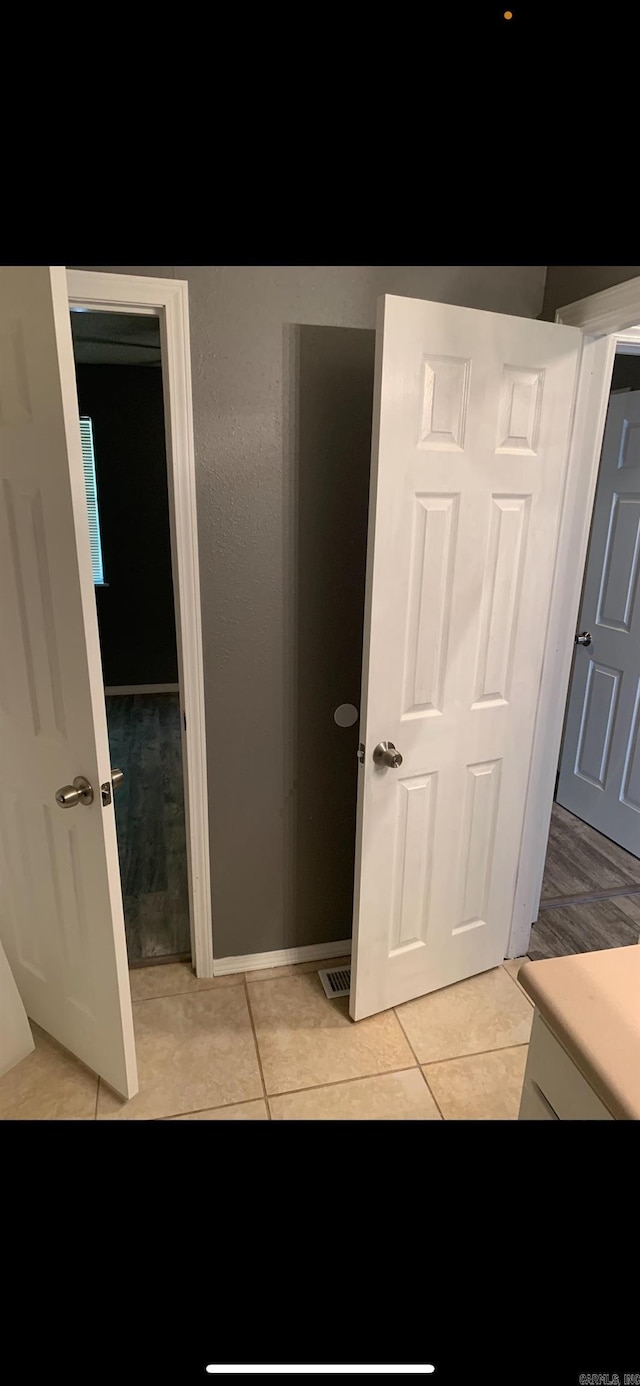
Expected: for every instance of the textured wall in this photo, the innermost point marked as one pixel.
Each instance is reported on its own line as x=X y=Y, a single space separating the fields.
x=135 y=610
x=566 y=283
x=334 y=393
x=245 y=362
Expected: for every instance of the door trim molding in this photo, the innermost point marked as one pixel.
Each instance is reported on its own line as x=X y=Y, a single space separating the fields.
x=284 y=957
x=606 y=319
x=168 y=299
x=611 y=310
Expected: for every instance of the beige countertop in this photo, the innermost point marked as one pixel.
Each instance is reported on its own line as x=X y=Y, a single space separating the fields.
x=591 y=1001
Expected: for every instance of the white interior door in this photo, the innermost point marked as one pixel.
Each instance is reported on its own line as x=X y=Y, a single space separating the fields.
x=61 y=913
x=472 y=415
x=600 y=761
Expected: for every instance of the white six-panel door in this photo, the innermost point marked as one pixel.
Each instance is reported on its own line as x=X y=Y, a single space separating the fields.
x=600 y=761
x=472 y=415
x=61 y=916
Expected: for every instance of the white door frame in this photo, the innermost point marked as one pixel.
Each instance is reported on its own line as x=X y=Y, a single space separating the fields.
x=606 y=319
x=167 y=299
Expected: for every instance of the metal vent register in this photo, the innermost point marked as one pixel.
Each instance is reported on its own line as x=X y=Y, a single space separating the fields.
x=335 y=980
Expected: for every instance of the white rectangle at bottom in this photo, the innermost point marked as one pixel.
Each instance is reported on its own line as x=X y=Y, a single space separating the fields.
x=253 y=1369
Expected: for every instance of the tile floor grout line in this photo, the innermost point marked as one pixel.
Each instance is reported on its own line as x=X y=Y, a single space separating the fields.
x=462 y=1056
x=431 y=1092
x=243 y=979
x=420 y=1068
x=477 y=1053
x=336 y=1083
x=246 y=977
x=340 y=1082
x=395 y=1012
x=452 y=1057
x=517 y=984
x=190 y=991
x=251 y=976
x=193 y=1111
x=255 y=1041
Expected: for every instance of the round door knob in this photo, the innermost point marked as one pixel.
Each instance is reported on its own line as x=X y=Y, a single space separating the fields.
x=386 y=754
x=80 y=792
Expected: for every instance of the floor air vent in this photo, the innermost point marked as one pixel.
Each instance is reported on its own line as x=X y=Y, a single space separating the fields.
x=335 y=980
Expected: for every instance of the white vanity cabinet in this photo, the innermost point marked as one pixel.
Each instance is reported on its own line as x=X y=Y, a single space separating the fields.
x=584 y=1053
x=554 y=1088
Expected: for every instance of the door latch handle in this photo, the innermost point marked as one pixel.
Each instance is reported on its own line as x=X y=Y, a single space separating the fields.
x=80 y=792
x=584 y=638
x=386 y=754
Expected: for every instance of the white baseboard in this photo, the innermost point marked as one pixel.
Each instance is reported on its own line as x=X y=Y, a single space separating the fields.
x=143 y=688
x=285 y=957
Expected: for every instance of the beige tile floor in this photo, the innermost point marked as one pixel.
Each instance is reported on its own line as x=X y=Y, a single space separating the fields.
x=269 y=1045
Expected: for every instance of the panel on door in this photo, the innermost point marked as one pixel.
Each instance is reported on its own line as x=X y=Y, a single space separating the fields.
x=61 y=916
x=472 y=420
x=600 y=759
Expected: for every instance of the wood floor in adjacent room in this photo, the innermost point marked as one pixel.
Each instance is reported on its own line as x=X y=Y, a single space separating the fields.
x=580 y=863
x=145 y=742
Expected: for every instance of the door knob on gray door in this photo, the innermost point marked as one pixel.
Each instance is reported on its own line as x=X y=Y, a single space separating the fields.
x=584 y=638
x=386 y=754
x=80 y=792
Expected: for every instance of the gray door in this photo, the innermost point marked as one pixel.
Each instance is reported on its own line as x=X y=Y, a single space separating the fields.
x=600 y=761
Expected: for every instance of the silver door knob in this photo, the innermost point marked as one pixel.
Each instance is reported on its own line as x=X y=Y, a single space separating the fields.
x=80 y=792
x=117 y=777
x=386 y=754
x=584 y=638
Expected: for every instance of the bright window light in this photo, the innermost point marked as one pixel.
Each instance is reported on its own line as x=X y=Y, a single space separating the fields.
x=86 y=434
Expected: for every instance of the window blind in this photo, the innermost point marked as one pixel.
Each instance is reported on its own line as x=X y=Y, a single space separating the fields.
x=86 y=434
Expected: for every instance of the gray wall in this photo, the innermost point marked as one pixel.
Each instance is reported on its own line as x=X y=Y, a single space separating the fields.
x=334 y=393
x=566 y=283
x=246 y=357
